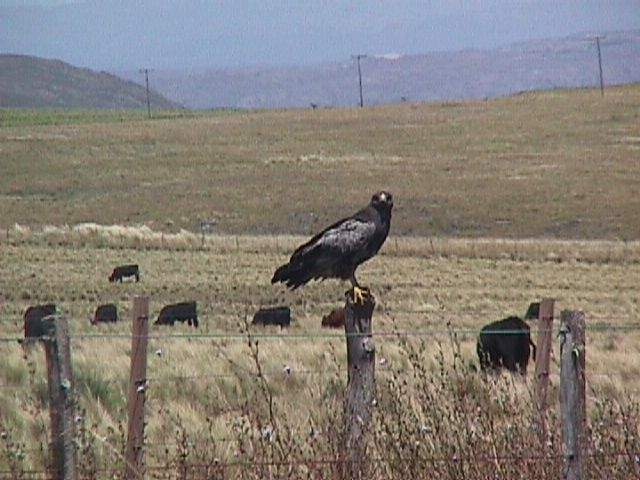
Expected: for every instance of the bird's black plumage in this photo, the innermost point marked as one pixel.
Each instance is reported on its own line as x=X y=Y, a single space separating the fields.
x=338 y=250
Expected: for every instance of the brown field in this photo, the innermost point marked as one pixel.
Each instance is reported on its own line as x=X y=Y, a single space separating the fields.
x=200 y=385
x=556 y=164
x=498 y=204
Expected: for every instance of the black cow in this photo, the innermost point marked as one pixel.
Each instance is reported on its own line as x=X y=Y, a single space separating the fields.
x=124 y=271
x=105 y=314
x=280 y=316
x=505 y=343
x=33 y=325
x=533 y=312
x=178 y=312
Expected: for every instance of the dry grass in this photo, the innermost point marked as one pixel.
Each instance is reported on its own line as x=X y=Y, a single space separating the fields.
x=498 y=204
x=557 y=164
x=143 y=237
x=203 y=388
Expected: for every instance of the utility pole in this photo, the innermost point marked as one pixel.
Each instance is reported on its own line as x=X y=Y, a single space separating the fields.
x=358 y=57
x=597 y=38
x=146 y=80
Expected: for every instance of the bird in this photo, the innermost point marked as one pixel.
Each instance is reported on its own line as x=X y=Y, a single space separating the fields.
x=338 y=250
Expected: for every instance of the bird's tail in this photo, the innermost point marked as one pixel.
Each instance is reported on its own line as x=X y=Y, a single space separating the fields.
x=280 y=274
x=293 y=275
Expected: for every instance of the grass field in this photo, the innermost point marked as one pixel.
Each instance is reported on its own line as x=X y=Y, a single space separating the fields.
x=556 y=164
x=498 y=204
x=199 y=386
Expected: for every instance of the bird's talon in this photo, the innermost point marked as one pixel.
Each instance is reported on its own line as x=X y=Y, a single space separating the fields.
x=360 y=295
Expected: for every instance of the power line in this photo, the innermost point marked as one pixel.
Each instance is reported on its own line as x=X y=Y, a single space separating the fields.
x=146 y=80
x=358 y=57
x=597 y=39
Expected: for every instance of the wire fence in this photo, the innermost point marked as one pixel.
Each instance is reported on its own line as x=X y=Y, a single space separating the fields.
x=398 y=334
x=294 y=372
x=291 y=372
x=633 y=457
x=288 y=372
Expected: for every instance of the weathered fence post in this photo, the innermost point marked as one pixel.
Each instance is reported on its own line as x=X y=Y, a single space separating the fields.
x=57 y=351
x=572 y=391
x=361 y=386
x=543 y=357
x=137 y=389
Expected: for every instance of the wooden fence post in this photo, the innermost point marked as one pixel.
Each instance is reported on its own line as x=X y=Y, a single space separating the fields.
x=361 y=387
x=543 y=357
x=572 y=391
x=57 y=351
x=137 y=389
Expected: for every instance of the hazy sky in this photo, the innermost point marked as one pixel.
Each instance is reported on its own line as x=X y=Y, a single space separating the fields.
x=128 y=34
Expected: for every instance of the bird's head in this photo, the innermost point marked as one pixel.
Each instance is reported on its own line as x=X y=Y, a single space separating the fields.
x=382 y=201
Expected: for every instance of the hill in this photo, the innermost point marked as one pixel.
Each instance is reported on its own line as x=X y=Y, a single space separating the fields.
x=439 y=76
x=32 y=82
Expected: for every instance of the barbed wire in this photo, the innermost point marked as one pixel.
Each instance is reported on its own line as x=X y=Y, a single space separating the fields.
x=174 y=378
x=323 y=335
x=191 y=443
x=429 y=459
x=292 y=373
x=596 y=321
x=632 y=455
x=389 y=312
x=286 y=372
x=43 y=449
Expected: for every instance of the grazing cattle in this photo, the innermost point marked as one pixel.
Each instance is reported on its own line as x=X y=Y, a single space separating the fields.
x=505 y=343
x=178 y=312
x=33 y=325
x=124 y=271
x=273 y=316
x=105 y=314
x=335 y=319
x=533 y=311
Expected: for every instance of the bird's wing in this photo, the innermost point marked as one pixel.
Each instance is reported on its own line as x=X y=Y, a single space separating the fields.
x=344 y=237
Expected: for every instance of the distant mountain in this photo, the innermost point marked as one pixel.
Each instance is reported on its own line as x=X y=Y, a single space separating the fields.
x=34 y=82
x=441 y=76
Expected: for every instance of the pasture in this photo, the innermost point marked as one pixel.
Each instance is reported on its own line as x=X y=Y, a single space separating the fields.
x=555 y=164
x=200 y=385
x=540 y=190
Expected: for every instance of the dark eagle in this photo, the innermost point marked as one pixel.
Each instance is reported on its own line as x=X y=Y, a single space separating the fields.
x=338 y=250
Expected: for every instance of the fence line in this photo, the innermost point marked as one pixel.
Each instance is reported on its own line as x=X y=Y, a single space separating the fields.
x=441 y=315
x=431 y=459
x=285 y=372
x=289 y=372
x=633 y=456
x=292 y=374
x=320 y=335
